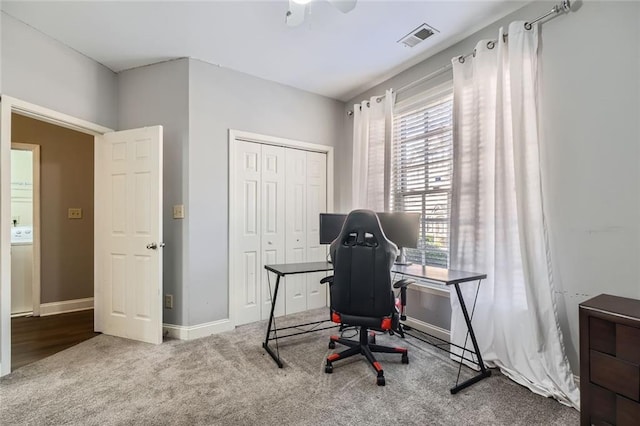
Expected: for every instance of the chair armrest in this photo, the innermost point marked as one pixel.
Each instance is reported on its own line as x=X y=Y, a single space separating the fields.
x=328 y=279
x=403 y=283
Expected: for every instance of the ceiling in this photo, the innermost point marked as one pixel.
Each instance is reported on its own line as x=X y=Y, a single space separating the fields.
x=332 y=54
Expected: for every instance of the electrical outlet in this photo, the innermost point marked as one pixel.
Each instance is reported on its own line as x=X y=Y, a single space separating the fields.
x=74 y=213
x=168 y=301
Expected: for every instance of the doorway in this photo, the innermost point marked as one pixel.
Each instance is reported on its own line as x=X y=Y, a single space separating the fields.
x=59 y=243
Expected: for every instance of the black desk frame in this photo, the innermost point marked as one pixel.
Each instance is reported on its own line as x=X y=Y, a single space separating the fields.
x=281 y=271
x=449 y=278
x=444 y=276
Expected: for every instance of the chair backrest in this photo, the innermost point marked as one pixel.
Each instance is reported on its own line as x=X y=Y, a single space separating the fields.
x=362 y=259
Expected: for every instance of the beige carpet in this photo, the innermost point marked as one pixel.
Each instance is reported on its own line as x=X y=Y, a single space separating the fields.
x=228 y=379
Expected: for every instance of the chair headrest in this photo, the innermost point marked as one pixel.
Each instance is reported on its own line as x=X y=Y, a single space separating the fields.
x=362 y=227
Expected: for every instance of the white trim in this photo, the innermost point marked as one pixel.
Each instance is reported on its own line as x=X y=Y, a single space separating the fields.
x=7 y=106
x=436 y=331
x=183 y=332
x=236 y=135
x=35 y=199
x=65 y=306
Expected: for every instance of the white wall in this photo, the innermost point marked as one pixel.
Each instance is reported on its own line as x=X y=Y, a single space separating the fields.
x=219 y=100
x=159 y=94
x=590 y=91
x=38 y=69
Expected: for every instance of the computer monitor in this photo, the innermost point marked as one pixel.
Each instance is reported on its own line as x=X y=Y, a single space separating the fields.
x=402 y=228
x=330 y=226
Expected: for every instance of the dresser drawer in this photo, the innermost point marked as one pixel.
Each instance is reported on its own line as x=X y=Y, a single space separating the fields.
x=628 y=343
x=616 y=375
x=627 y=412
x=602 y=336
x=602 y=404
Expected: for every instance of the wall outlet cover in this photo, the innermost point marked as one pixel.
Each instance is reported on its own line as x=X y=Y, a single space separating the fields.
x=178 y=211
x=75 y=213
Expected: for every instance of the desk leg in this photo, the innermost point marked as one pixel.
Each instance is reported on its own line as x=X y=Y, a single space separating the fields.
x=483 y=370
x=265 y=345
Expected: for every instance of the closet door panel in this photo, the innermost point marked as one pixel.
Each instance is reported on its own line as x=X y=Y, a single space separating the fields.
x=316 y=203
x=273 y=220
x=248 y=257
x=295 y=226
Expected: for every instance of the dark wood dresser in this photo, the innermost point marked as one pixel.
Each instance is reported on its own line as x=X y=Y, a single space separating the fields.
x=610 y=361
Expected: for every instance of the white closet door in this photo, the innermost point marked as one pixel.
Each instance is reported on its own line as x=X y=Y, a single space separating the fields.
x=273 y=220
x=316 y=204
x=296 y=235
x=248 y=259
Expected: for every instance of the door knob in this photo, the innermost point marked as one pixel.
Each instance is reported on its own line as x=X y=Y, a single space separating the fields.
x=154 y=246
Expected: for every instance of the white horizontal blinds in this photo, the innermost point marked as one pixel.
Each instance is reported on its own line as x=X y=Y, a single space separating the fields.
x=422 y=161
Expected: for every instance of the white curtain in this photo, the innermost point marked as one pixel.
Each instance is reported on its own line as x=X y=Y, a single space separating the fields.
x=372 y=124
x=497 y=224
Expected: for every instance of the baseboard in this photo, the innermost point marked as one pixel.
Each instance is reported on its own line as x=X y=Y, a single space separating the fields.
x=436 y=331
x=65 y=306
x=190 y=332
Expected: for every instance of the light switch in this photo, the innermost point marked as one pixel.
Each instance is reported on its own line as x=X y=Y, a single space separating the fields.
x=178 y=211
x=75 y=213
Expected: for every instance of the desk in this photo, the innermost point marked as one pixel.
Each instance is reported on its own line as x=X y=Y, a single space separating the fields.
x=444 y=276
x=454 y=278
x=281 y=271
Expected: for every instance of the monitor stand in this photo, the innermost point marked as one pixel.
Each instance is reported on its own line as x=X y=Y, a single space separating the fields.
x=402 y=259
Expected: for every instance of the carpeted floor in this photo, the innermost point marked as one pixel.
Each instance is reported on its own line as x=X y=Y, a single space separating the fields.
x=228 y=379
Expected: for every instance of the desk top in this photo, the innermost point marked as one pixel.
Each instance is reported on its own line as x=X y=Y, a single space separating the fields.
x=299 y=268
x=445 y=276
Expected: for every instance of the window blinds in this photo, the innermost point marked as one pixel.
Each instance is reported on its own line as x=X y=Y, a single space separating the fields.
x=422 y=160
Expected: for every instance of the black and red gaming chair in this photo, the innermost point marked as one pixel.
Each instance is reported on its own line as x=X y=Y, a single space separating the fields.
x=361 y=290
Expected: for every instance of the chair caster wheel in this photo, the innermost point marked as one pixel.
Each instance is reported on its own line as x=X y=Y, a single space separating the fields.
x=405 y=359
x=332 y=345
x=380 y=381
x=328 y=369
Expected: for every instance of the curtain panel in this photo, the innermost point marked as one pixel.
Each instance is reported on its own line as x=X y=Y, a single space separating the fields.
x=372 y=124
x=497 y=221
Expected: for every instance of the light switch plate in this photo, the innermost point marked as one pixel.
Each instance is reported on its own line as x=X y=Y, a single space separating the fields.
x=75 y=213
x=178 y=211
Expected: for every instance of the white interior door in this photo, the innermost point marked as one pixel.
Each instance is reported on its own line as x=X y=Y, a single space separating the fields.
x=128 y=227
x=273 y=220
x=248 y=210
x=296 y=234
x=316 y=204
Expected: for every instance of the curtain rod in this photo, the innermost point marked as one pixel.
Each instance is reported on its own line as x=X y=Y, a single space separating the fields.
x=563 y=7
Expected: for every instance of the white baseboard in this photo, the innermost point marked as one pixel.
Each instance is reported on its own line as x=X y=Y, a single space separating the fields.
x=65 y=306
x=436 y=331
x=190 y=332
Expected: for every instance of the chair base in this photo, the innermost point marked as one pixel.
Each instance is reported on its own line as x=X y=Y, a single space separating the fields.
x=366 y=346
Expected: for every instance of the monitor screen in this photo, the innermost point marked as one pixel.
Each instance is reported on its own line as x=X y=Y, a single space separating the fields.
x=330 y=226
x=401 y=228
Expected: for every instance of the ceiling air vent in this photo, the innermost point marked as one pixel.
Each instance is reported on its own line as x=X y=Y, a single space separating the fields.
x=419 y=34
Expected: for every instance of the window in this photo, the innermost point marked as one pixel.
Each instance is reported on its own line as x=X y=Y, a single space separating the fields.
x=421 y=166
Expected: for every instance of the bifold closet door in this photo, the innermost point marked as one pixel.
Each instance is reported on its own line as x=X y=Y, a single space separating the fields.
x=260 y=192
x=295 y=227
x=273 y=219
x=316 y=204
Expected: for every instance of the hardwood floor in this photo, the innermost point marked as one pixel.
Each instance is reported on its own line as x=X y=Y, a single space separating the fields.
x=34 y=338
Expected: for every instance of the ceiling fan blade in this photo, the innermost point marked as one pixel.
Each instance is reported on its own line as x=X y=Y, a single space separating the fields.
x=344 y=6
x=295 y=14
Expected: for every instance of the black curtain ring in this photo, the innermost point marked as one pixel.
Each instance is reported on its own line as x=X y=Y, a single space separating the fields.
x=491 y=45
x=504 y=37
x=368 y=104
x=474 y=53
x=527 y=26
x=461 y=59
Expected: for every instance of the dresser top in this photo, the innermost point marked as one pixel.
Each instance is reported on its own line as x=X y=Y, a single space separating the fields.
x=617 y=305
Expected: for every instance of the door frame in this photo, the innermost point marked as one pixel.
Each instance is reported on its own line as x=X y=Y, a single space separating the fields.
x=9 y=105
x=35 y=200
x=240 y=135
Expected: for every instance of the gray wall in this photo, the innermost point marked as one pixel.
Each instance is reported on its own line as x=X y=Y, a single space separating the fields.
x=43 y=71
x=219 y=100
x=152 y=95
x=590 y=92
